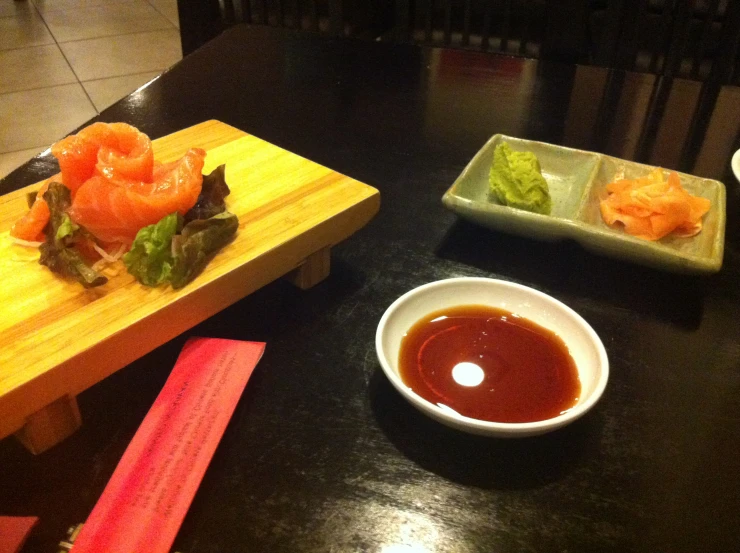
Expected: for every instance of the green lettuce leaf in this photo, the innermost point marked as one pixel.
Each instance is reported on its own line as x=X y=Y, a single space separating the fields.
x=171 y=252
x=66 y=229
x=58 y=252
x=199 y=241
x=150 y=258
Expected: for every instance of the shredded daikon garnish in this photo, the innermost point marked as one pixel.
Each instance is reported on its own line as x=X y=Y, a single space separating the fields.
x=106 y=258
x=26 y=243
x=110 y=258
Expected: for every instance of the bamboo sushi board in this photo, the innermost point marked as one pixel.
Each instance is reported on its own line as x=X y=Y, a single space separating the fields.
x=58 y=339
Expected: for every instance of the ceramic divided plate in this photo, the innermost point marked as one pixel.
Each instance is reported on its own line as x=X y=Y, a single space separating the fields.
x=577 y=181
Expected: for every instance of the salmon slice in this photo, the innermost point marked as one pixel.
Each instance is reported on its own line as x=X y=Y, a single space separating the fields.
x=652 y=207
x=127 y=155
x=112 y=150
x=30 y=227
x=116 y=186
x=116 y=151
x=114 y=209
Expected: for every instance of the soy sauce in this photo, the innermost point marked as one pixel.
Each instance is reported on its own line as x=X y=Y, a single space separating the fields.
x=489 y=364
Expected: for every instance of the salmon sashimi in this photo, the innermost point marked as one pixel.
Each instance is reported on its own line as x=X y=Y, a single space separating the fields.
x=116 y=151
x=114 y=210
x=652 y=207
x=128 y=155
x=123 y=189
x=112 y=150
x=30 y=227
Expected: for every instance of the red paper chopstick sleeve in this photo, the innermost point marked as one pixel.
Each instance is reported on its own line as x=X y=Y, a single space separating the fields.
x=14 y=531
x=146 y=499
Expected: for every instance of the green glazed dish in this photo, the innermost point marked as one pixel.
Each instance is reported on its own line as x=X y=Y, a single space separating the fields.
x=577 y=181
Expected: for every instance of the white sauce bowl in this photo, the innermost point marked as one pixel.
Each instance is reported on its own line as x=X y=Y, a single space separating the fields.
x=583 y=343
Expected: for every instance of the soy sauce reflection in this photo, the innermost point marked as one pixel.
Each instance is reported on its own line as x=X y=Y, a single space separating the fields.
x=489 y=364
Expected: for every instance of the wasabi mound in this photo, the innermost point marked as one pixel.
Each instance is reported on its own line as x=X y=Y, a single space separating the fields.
x=516 y=180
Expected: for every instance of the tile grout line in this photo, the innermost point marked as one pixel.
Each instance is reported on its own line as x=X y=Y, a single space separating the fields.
x=156 y=9
x=173 y=28
x=27 y=47
x=34 y=7
x=66 y=59
x=170 y=29
x=170 y=26
x=106 y=3
x=39 y=88
x=79 y=82
x=44 y=146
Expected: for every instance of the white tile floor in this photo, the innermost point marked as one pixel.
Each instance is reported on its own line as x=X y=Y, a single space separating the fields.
x=63 y=61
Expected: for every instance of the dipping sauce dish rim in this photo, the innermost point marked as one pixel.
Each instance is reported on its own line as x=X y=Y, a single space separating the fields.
x=476 y=426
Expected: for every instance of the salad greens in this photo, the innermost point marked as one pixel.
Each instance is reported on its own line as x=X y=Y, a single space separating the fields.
x=177 y=248
x=58 y=252
x=66 y=229
x=174 y=250
x=150 y=257
x=196 y=244
x=171 y=252
x=212 y=194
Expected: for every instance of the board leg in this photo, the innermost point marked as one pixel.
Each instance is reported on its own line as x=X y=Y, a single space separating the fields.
x=314 y=269
x=50 y=425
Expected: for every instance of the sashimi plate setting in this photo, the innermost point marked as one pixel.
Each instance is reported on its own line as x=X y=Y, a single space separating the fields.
x=62 y=333
x=261 y=213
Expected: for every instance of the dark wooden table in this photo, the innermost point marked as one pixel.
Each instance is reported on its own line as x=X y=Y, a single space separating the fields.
x=322 y=454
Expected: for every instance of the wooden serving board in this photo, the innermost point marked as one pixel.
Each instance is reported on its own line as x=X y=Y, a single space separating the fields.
x=58 y=339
